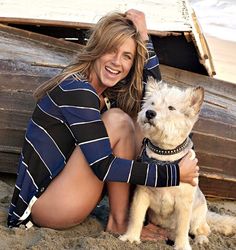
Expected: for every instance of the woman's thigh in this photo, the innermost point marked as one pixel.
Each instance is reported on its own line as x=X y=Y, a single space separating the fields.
x=70 y=197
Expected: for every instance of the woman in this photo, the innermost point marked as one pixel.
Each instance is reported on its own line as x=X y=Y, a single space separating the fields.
x=74 y=144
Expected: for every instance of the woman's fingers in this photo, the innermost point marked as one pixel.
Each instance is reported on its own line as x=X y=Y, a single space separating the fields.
x=138 y=19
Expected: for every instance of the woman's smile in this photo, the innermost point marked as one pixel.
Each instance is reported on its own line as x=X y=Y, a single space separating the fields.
x=113 y=66
x=112 y=73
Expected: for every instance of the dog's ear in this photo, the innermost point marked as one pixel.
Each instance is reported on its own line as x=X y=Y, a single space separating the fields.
x=197 y=97
x=152 y=86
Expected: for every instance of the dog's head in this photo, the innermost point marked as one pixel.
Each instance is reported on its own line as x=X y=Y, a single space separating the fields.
x=169 y=113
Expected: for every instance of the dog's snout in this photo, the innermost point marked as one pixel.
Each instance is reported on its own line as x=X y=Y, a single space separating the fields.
x=150 y=114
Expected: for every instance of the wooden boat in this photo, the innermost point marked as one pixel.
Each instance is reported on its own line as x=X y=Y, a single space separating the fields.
x=27 y=59
x=170 y=22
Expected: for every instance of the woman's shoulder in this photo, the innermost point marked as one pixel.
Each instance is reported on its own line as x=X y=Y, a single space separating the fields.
x=75 y=82
x=74 y=91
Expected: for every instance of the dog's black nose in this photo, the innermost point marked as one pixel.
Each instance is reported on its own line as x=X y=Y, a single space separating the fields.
x=150 y=114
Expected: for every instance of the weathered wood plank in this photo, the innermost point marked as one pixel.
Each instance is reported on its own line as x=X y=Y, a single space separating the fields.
x=214 y=113
x=219 y=128
x=210 y=163
x=20 y=83
x=36 y=38
x=18 y=101
x=18 y=67
x=11 y=120
x=11 y=140
x=27 y=53
x=184 y=78
x=212 y=187
x=8 y=162
x=214 y=145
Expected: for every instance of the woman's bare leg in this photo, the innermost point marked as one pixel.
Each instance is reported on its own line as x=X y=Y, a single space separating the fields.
x=121 y=131
x=70 y=197
x=73 y=194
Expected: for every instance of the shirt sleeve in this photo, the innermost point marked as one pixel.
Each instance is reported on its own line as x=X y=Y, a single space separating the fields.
x=80 y=108
x=151 y=68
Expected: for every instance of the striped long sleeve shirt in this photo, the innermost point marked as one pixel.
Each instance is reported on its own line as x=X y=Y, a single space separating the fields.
x=67 y=117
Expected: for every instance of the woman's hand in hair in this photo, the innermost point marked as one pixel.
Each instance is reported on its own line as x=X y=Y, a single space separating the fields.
x=138 y=19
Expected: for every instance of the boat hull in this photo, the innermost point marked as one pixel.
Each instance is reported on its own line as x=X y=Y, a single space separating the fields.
x=28 y=59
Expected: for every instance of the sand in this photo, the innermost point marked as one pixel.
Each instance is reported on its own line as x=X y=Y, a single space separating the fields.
x=224 y=58
x=90 y=234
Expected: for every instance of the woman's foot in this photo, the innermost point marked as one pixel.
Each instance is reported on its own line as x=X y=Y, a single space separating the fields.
x=151 y=232
x=116 y=227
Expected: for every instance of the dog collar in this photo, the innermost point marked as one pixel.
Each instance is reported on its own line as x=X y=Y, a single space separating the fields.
x=145 y=158
x=162 y=151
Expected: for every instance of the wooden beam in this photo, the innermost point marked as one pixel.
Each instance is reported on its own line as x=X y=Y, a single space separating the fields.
x=212 y=187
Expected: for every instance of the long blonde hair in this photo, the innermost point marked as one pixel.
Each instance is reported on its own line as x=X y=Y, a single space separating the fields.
x=109 y=33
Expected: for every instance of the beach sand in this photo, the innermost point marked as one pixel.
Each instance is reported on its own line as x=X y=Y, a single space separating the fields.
x=224 y=58
x=90 y=234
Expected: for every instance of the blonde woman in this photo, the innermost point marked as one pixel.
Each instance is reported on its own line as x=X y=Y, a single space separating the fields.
x=82 y=136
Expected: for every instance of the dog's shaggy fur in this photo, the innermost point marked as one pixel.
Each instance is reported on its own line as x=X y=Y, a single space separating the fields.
x=166 y=119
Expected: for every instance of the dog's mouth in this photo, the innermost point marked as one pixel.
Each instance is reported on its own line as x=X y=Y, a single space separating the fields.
x=149 y=117
x=149 y=122
x=146 y=119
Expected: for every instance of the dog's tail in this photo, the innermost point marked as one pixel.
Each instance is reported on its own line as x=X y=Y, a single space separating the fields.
x=224 y=224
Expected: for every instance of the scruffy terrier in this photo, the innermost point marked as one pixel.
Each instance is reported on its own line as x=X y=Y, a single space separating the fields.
x=166 y=119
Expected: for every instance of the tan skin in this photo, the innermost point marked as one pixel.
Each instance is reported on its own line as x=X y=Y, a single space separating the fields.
x=76 y=191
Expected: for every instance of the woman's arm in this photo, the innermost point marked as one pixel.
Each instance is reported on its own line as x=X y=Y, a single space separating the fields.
x=113 y=168
x=151 y=68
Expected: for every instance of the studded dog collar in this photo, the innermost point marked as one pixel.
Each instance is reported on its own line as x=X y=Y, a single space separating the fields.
x=162 y=151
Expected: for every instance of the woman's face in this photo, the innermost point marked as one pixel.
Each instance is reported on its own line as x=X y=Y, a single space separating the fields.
x=113 y=66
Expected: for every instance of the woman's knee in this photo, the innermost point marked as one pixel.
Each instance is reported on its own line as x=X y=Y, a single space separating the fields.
x=118 y=122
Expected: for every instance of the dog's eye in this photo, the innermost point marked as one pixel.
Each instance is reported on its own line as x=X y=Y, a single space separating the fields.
x=152 y=103
x=171 y=108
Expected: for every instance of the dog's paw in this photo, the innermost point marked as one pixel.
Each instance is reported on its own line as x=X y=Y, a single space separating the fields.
x=201 y=239
x=130 y=238
x=183 y=247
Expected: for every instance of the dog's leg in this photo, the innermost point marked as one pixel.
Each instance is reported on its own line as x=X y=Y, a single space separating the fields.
x=199 y=227
x=138 y=211
x=202 y=232
x=184 y=211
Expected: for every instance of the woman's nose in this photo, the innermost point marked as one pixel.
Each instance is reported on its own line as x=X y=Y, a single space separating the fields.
x=116 y=59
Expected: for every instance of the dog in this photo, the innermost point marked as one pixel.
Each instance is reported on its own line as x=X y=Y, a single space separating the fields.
x=167 y=117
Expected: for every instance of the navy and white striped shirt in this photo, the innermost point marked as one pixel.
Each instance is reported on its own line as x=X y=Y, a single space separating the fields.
x=67 y=117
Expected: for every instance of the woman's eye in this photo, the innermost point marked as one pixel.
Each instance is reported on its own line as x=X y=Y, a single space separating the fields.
x=128 y=57
x=171 y=108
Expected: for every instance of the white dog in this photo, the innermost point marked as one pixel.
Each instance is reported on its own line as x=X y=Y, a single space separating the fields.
x=166 y=119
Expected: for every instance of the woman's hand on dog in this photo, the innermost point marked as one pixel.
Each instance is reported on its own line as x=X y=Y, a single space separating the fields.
x=189 y=169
